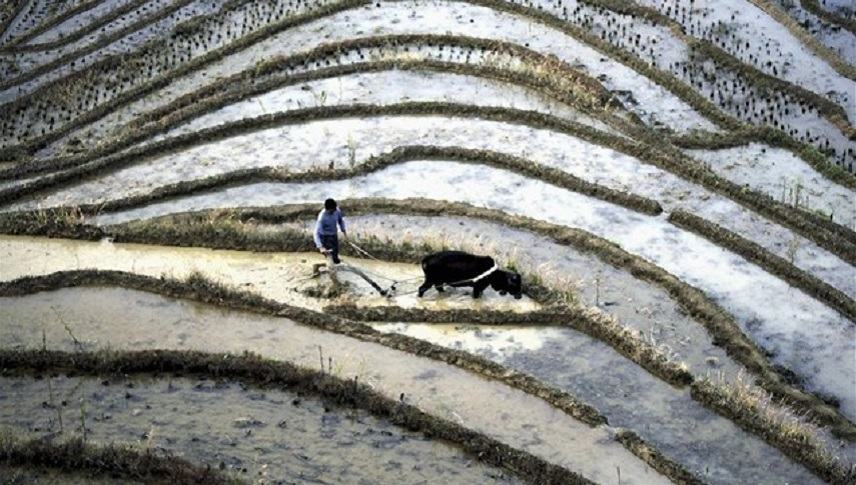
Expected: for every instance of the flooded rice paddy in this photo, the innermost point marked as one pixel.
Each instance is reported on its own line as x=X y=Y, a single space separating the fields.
x=122 y=319
x=259 y=435
x=800 y=332
x=349 y=143
x=189 y=97
x=92 y=318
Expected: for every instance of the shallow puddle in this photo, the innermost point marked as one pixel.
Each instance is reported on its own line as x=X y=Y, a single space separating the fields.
x=30 y=475
x=284 y=277
x=808 y=337
x=350 y=142
x=783 y=176
x=655 y=103
x=389 y=87
x=85 y=18
x=633 y=302
x=788 y=57
x=710 y=446
x=124 y=45
x=30 y=60
x=22 y=18
x=258 y=435
x=125 y=319
x=841 y=41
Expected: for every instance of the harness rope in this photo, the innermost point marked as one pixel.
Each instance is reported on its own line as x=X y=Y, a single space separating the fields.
x=395 y=282
x=479 y=277
x=362 y=251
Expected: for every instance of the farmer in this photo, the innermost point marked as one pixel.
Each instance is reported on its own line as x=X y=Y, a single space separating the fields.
x=326 y=239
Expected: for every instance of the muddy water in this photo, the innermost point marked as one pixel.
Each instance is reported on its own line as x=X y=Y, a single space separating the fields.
x=27 y=61
x=29 y=475
x=385 y=88
x=121 y=46
x=635 y=303
x=81 y=20
x=266 y=436
x=803 y=334
x=350 y=142
x=276 y=276
x=783 y=176
x=407 y=17
x=124 y=319
x=707 y=444
x=283 y=277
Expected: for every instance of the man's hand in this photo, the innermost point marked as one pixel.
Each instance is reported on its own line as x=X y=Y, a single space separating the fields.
x=344 y=235
x=323 y=251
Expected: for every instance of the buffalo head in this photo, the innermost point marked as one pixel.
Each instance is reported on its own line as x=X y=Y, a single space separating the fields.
x=507 y=282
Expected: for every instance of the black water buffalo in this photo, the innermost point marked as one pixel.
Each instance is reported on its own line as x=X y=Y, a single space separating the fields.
x=457 y=268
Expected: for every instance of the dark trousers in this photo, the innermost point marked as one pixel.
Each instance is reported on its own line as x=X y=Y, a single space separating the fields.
x=331 y=242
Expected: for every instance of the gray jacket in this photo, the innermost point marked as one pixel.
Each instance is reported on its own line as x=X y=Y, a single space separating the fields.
x=326 y=225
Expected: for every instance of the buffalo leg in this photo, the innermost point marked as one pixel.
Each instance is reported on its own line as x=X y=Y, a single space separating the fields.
x=478 y=288
x=425 y=287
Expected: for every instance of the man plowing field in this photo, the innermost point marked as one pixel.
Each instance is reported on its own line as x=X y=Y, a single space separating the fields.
x=450 y=268
x=326 y=230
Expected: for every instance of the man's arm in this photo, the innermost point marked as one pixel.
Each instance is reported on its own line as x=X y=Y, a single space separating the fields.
x=317 y=234
x=341 y=221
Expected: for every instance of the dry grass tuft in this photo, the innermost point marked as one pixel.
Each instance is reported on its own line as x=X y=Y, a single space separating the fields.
x=754 y=409
x=115 y=461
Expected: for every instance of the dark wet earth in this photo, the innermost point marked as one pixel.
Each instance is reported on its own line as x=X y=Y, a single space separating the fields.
x=266 y=436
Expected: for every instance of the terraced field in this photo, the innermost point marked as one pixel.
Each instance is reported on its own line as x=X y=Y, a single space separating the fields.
x=673 y=179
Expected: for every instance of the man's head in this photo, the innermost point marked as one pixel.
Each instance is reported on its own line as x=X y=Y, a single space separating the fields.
x=330 y=205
